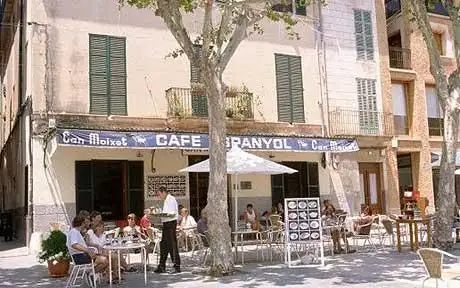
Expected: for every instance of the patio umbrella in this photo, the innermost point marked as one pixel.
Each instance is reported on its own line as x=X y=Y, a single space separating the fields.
x=241 y=162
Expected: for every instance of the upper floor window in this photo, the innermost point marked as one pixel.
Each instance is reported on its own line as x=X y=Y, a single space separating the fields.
x=434 y=112
x=401 y=123
x=364 y=34
x=297 y=7
x=289 y=88
x=107 y=75
x=367 y=105
x=439 y=42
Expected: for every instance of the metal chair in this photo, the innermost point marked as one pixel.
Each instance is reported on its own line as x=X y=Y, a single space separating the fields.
x=79 y=271
x=432 y=261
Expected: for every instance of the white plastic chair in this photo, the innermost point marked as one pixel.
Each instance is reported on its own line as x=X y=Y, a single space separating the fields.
x=79 y=271
x=432 y=261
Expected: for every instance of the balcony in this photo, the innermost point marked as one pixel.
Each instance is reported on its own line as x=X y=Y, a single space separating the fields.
x=393 y=7
x=399 y=57
x=346 y=122
x=193 y=103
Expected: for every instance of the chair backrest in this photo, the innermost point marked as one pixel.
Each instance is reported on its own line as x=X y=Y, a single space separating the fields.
x=365 y=229
x=274 y=219
x=432 y=260
x=388 y=225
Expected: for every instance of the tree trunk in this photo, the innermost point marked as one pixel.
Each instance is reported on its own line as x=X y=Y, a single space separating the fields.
x=217 y=208
x=445 y=198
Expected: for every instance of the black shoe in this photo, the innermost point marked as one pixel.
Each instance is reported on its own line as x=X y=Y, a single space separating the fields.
x=160 y=270
x=177 y=269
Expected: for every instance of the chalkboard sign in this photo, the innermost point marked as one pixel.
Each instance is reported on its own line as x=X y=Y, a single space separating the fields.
x=176 y=185
x=303 y=225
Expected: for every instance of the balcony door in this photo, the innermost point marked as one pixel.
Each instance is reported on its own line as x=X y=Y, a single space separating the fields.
x=371 y=187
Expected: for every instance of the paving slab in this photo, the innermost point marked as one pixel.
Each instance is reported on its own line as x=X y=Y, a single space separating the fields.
x=383 y=269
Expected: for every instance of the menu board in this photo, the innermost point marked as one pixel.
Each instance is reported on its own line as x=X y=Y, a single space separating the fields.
x=303 y=226
x=303 y=219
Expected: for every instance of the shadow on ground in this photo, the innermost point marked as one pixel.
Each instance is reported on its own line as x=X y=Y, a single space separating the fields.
x=339 y=271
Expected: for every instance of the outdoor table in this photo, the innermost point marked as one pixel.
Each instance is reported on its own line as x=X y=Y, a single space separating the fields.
x=413 y=232
x=126 y=247
x=241 y=233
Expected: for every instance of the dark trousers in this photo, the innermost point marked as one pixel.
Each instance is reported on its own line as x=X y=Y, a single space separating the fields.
x=168 y=244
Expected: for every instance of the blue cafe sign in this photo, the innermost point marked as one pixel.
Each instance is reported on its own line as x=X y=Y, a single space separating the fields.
x=159 y=140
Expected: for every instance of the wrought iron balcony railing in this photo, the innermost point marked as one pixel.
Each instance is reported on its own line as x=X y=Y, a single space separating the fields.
x=360 y=123
x=399 y=57
x=193 y=102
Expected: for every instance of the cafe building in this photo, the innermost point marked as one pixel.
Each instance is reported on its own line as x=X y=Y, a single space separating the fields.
x=119 y=172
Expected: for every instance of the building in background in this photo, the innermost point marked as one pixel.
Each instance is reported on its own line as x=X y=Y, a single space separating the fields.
x=417 y=115
x=106 y=117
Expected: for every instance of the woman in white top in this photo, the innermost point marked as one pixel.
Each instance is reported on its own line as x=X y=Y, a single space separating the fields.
x=187 y=224
x=250 y=216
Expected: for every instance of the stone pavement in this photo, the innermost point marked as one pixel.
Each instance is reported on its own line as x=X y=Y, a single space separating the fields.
x=383 y=269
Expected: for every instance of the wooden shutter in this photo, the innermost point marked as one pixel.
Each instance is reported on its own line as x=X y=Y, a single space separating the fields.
x=364 y=35
x=438 y=40
x=301 y=7
x=289 y=88
x=84 y=185
x=135 y=187
x=117 y=76
x=98 y=74
x=195 y=75
x=367 y=105
x=199 y=105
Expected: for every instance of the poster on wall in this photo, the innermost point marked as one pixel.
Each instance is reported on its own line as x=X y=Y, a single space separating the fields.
x=175 y=184
x=303 y=229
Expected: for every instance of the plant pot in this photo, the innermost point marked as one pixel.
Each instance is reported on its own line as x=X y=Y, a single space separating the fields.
x=59 y=269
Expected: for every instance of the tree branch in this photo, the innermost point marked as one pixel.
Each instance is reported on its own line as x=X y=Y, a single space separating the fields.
x=169 y=10
x=225 y=23
x=207 y=29
x=418 y=11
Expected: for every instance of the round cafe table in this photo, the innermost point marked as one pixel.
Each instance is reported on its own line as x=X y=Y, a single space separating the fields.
x=118 y=248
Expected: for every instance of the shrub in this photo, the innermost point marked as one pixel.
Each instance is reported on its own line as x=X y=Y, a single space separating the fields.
x=54 y=247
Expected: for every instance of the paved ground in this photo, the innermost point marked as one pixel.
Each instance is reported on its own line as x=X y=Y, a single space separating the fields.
x=384 y=269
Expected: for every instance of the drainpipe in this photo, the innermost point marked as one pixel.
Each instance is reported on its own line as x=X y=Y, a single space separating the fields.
x=322 y=68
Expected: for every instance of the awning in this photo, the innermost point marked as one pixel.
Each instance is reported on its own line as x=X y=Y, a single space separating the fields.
x=170 y=140
x=436 y=158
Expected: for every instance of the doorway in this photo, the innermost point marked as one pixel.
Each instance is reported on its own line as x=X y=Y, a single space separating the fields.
x=113 y=187
x=371 y=187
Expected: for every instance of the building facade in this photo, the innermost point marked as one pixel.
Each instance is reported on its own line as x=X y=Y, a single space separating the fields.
x=417 y=115
x=111 y=117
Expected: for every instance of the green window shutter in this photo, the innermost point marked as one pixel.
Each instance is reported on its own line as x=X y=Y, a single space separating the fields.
x=295 y=72
x=367 y=105
x=364 y=35
x=289 y=88
x=98 y=74
x=301 y=7
x=117 y=76
x=199 y=105
x=195 y=75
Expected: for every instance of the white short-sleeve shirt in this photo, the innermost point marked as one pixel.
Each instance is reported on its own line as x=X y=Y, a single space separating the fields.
x=170 y=206
x=75 y=237
x=96 y=240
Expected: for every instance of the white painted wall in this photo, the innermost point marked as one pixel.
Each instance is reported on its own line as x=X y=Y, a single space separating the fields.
x=60 y=41
x=342 y=65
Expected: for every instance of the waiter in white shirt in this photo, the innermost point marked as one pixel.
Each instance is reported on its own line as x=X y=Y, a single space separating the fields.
x=168 y=244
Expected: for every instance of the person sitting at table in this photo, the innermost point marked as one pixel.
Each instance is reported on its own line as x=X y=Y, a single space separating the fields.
x=280 y=209
x=329 y=219
x=97 y=239
x=179 y=217
x=250 y=216
x=95 y=217
x=328 y=206
x=132 y=229
x=202 y=225
x=145 y=223
x=187 y=224
x=366 y=218
x=429 y=209
x=79 y=250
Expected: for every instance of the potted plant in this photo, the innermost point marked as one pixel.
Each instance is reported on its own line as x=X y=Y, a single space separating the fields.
x=55 y=252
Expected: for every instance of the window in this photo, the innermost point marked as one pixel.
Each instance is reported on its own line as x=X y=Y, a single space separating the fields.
x=364 y=35
x=297 y=7
x=198 y=97
x=401 y=123
x=367 y=106
x=107 y=75
x=289 y=88
x=435 y=122
x=438 y=40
